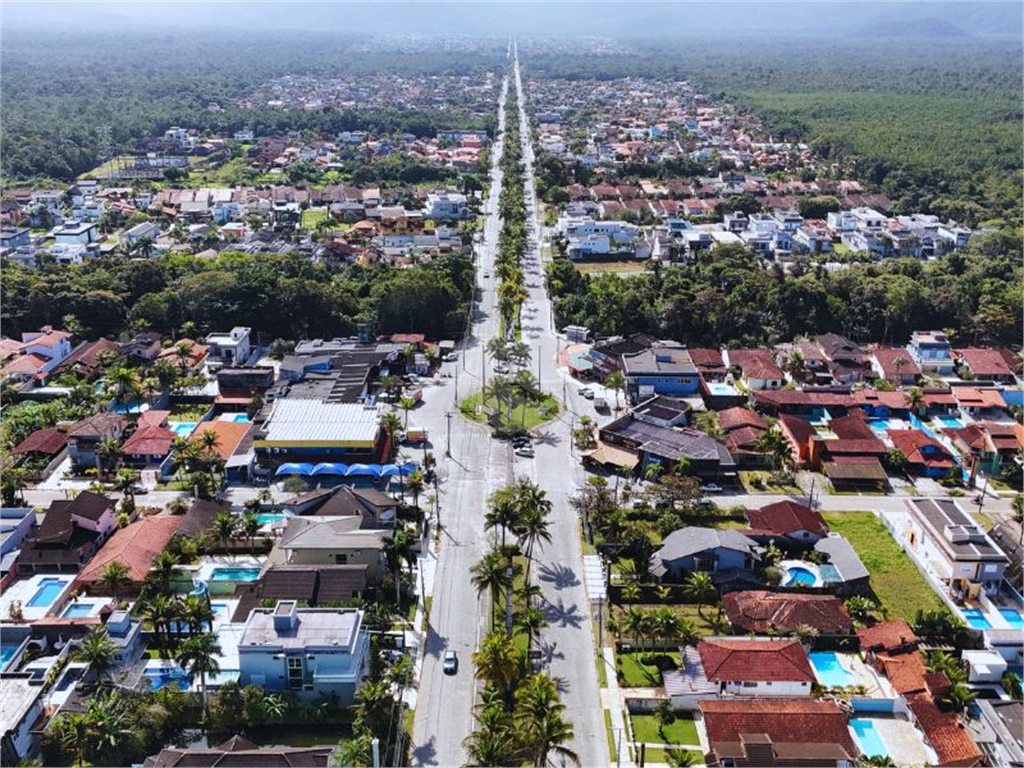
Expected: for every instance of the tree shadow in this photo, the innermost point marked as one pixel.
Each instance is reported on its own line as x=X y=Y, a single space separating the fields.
x=424 y=754
x=561 y=576
x=557 y=613
x=434 y=644
x=547 y=438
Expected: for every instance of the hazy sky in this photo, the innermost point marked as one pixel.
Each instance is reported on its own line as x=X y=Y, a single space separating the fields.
x=501 y=18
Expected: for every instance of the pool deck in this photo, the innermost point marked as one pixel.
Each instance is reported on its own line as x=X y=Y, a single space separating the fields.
x=23 y=590
x=95 y=604
x=903 y=742
x=210 y=562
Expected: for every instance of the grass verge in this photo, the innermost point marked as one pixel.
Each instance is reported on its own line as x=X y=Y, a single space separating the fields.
x=682 y=731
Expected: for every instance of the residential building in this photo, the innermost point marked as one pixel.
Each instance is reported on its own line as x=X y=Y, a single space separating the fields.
x=786 y=520
x=932 y=352
x=311 y=651
x=85 y=360
x=238 y=751
x=147 y=230
x=895 y=365
x=126 y=635
x=984 y=364
x=135 y=546
x=842 y=571
x=758 y=667
x=655 y=442
x=846 y=359
x=764 y=612
x=86 y=437
x=145 y=347
x=321 y=540
x=69 y=536
x=757 y=367
x=15 y=525
x=310 y=584
x=77 y=233
x=704 y=549
x=23 y=707
x=446 y=206
x=230 y=348
x=943 y=536
x=149 y=445
x=42 y=444
x=709 y=363
x=997 y=729
x=14 y=237
x=926 y=456
x=979 y=402
x=764 y=733
x=664 y=369
x=376 y=509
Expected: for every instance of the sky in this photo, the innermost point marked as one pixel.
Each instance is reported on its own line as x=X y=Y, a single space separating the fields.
x=502 y=17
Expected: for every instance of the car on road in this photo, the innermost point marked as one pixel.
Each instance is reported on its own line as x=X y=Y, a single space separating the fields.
x=588 y=394
x=487 y=274
x=526 y=452
x=501 y=368
x=138 y=490
x=450 y=664
x=712 y=488
x=520 y=440
x=451 y=357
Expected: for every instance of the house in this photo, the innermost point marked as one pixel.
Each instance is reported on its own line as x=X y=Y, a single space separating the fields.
x=979 y=403
x=799 y=433
x=895 y=365
x=757 y=667
x=69 y=536
x=846 y=359
x=318 y=540
x=238 y=751
x=134 y=546
x=15 y=525
x=86 y=359
x=22 y=696
x=997 y=729
x=709 y=363
x=658 y=443
x=42 y=444
x=75 y=232
x=757 y=367
x=976 y=448
x=311 y=651
x=943 y=536
x=786 y=520
x=311 y=585
x=316 y=431
x=845 y=574
x=230 y=435
x=373 y=506
x=14 y=237
x=196 y=353
x=777 y=732
x=147 y=230
x=983 y=364
x=144 y=347
x=229 y=348
x=763 y=612
x=663 y=369
x=150 y=444
x=446 y=206
x=741 y=432
x=932 y=352
x=126 y=635
x=926 y=456
x=704 y=549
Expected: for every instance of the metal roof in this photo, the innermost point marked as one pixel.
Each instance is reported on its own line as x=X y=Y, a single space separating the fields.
x=298 y=421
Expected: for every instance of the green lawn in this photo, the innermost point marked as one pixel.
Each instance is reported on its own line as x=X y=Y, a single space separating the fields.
x=896 y=582
x=187 y=412
x=637 y=674
x=682 y=731
x=609 y=732
x=657 y=755
x=748 y=478
x=627 y=268
x=313 y=216
x=533 y=415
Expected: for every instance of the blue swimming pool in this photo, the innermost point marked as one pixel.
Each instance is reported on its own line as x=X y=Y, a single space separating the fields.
x=1013 y=617
x=948 y=422
x=238 y=418
x=976 y=618
x=879 y=425
x=797 y=575
x=49 y=590
x=871 y=743
x=77 y=611
x=7 y=651
x=182 y=428
x=268 y=518
x=830 y=670
x=160 y=677
x=234 y=574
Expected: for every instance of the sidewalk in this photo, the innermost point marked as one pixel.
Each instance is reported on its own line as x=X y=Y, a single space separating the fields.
x=426 y=569
x=614 y=702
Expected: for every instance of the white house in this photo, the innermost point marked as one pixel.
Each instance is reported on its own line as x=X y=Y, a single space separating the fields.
x=22 y=708
x=311 y=652
x=230 y=348
x=76 y=232
x=147 y=229
x=760 y=667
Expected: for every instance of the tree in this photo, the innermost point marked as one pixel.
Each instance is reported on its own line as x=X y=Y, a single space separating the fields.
x=861 y=608
x=108 y=454
x=665 y=716
x=416 y=485
x=356 y=752
x=125 y=483
x=679 y=758
x=615 y=380
x=158 y=610
x=700 y=587
x=224 y=525
x=707 y=422
x=392 y=426
x=498 y=662
x=114 y=578
x=490 y=574
x=407 y=404
x=163 y=570
x=210 y=440
x=197 y=656
x=895 y=460
x=504 y=512
x=546 y=734
x=960 y=697
x=531 y=620
x=250 y=528
x=98 y=651
x=915 y=400
x=531 y=530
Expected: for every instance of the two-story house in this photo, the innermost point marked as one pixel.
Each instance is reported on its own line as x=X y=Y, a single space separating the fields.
x=446 y=205
x=310 y=652
x=664 y=369
x=230 y=348
x=329 y=540
x=932 y=352
x=86 y=437
x=786 y=520
x=70 y=534
x=926 y=456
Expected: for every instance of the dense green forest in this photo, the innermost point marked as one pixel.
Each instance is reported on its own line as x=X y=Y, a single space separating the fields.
x=57 y=91
x=732 y=298
x=937 y=127
x=280 y=296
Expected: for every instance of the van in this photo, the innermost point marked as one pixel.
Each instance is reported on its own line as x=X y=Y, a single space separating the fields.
x=601 y=404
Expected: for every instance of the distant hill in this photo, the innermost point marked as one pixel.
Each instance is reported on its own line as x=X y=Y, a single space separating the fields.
x=923 y=28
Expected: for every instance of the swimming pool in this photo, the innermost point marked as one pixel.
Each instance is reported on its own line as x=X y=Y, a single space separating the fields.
x=268 y=518
x=976 y=618
x=871 y=743
x=7 y=651
x=234 y=574
x=49 y=590
x=182 y=428
x=798 y=575
x=879 y=425
x=160 y=676
x=830 y=670
x=238 y=418
x=1013 y=617
x=77 y=611
x=948 y=422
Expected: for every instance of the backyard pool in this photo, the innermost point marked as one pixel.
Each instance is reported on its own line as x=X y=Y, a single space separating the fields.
x=948 y=422
x=238 y=418
x=829 y=670
x=799 y=572
x=182 y=428
x=7 y=651
x=976 y=618
x=77 y=611
x=234 y=574
x=48 y=591
x=1013 y=617
x=160 y=676
x=871 y=743
x=268 y=518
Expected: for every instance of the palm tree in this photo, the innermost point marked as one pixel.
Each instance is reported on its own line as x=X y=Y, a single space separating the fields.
x=406 y=404
x=504 y=512
x=197 y=613
x=108 y=453
x=209 y=440
x=114 y=578
x=224 y=527
x=498 y=349
x=532 y=621
x=391 y=425
x=700 y=587
x=497 y=661
x=774 y=443
x=391 y=384
x=77 y=735
x=125 y=483
x=249 y=528
x=665 y=715
x=707 y=422
x=488 y=748
x=198 y=657
x=163 y=569
x=158 y=610
x=97 y=650
x=531 y=530
x=183 y=354
x=615 y=380
x=667 y=624
x=546 y=734
x=398 y=550
x=915 y=400
x=898 y=363
x=631 y=592
x=960 y=697
x=636 y=625
x=502 y=390
x=491 y=575
x=416 y=485
x=122 y=381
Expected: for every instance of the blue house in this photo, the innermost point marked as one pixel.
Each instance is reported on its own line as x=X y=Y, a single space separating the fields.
x=311 y=652
x=932 y=352
x=664 y=369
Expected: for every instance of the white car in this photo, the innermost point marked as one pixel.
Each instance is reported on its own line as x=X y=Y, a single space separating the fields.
x=450 y=664
x=526 y=452
x=712 y=488
x=451 y=357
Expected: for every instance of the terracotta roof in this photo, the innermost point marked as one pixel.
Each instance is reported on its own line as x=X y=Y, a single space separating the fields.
x=152 y=418
x=86 y=356
x=756 y=363
x=755 y=660
x=49 y=339
x=1006 y=435
x=852 y=426
x=761 y=611
x=912 y=443
x=136 y=546
x=784 y=721
x=945 y=732
x=742 y=438
x=970 y=397
x=49 y=441
x=858 y=446
x=886 y=635
x=896 y=400
x=906 y=671
x=9 y=348
x=855 y=468
x=800 y=429
x=781 y=397
x=97 y=425
x=785 y=517
x=972 y=437
x=886 y=357
x=196 y=354
x=30 y=363
x=149 y=441
x=229 y=435
x=733 y=418
x=984 y=362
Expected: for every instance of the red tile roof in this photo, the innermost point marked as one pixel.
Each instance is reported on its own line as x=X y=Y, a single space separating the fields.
x=886 y=635
x=149 y=440
x=886 y=358
x=860 y=446
x=755 y=661
x=756 y=363
x=707 y=359
x=30 y=363
x=785 y=517
x=984 y=362
x=852 y=426
x=153 y=418
x=970 y=397
x=86 y=357
x=946 y=733
x=761 y=611
x=800 y=429
x=912 y=443
x=784 y=721
x=98 y=425
x=136 y=546
x=733 y=418
x=743 y=438
x=48 y=441
x=896 y=400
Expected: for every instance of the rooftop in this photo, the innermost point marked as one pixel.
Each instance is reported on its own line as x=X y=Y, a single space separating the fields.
x=326 y=628
x=310 y=422
x=946 y=520
x=755 y=661
x=762 y=611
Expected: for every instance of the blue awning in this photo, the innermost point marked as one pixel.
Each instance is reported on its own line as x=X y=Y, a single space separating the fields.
x=389 y=470
x=408 y=468
x=373 y=470
x=294 y=469
x=330 y=469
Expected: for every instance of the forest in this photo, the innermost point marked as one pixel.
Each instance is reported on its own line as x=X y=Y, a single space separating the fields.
x=279 y=296
x=731 y=298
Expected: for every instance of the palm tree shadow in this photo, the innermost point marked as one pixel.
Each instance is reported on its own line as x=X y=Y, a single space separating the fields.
x=557 y=613
x=547 y=438
x=433 y=644
x=425 y=754
x=561 y=576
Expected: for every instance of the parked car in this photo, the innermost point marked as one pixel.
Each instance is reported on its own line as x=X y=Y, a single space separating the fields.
x=712 y=488
x=520 y=440
x=450 y=665
x=588 y=393
x=526 y=452
x=582 y=391
x=451 y=357
x=600 y=404
x=138 y=490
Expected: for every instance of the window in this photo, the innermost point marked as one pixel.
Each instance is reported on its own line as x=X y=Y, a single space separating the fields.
x=991 y=568
x=341 y=559
x=749 y=685
x=294 y=671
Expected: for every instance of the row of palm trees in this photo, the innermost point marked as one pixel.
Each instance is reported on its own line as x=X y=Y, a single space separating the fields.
x=512 y=239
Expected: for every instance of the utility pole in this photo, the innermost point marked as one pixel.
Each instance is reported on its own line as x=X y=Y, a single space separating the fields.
x=448 y=449
x=508 y=603
x=572 y=434
x=538 y=369
x=456 y=383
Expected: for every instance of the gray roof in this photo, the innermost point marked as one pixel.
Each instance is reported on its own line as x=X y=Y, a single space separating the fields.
x=670 y=442
x=940 y=514
x=842 y=557
x=307 y=421
x=690 y=541
x=659 y=361
x=18 y=697
x=690 y=678
x=315 y=628
x=331 y=533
